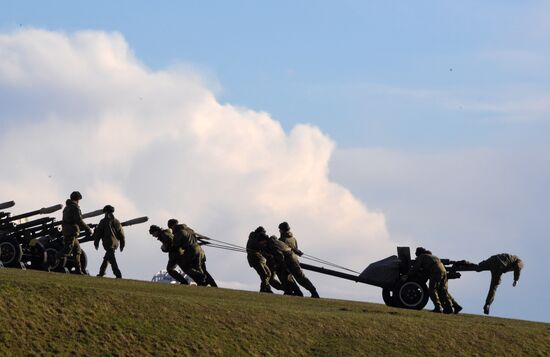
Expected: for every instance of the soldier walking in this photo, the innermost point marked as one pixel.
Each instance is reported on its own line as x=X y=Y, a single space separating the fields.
x=71 y=225
x=429 y=265
x=194 y=258
x=110 y=232
x=498 y=265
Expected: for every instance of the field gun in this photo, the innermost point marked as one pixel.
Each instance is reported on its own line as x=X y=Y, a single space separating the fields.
x=389 y=273
x=15 y=237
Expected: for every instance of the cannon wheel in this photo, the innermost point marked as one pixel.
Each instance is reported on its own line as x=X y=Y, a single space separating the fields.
x=10 y=252
x=411 y=294
x=37 y=257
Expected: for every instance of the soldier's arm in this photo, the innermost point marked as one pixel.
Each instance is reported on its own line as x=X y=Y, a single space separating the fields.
x=120 y=235
x=517 y=271
x=98 y=234
x=81 y=222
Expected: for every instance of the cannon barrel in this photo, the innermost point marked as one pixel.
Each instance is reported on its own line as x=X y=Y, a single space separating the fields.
x=131 y=222
x=97 y=212
x=35 y=224
x=44 y=210
x=6 y=205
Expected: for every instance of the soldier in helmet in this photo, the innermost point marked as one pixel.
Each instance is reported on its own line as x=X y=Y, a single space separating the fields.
x=258 y=261
x=429 y=265
x=110 y=232
x=498 y=265
x=286 y=236
x=175 y=253
x=71 y=225
x=193 y=259
x=285 y=257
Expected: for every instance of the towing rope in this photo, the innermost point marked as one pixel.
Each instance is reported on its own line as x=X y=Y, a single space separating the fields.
x=219 y=244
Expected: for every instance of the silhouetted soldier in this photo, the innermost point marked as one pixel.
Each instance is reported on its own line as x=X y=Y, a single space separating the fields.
x=71 y=225
x=193 y=259
x=283 y=254
x=498 y=265
x=288 y=238
x=110 y=232
x=258 y=262
x=175 y=253
x=429 y=265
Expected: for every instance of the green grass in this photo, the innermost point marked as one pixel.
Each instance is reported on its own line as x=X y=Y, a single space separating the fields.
x=56 y=314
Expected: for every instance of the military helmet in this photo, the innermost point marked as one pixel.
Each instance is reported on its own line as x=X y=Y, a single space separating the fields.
x=108 y=209
x=75 y=196
x=172 y=222
x=260 y=230
x=419 y=251
x=285 y=227
x=154 y=229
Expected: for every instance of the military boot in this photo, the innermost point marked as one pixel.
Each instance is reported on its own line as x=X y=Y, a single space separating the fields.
x=457 y=308
x=314 y=294
x=486 y=309
x=437 y=309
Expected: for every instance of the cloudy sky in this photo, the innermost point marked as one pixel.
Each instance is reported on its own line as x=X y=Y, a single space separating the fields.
x=365 y=126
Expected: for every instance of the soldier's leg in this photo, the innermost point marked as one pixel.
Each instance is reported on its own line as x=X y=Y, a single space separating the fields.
x=77 y=253
x=495 y=282
x=67 y=250
x=283 y=276
x=443 y=292
x=432 y=290
x=104 y=264
x=264 y=273
x=275 y=283
x=189 y=263
x=114 y=264
x=296 y=291
x=171 y=269
x=294 y=267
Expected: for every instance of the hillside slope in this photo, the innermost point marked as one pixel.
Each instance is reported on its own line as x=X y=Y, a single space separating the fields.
x=49 y=313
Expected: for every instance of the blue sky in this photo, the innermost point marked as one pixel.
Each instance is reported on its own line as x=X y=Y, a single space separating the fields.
x=440 y=111
x=340 y=66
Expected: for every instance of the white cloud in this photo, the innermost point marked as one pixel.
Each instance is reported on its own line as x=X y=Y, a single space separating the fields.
x=81 y=112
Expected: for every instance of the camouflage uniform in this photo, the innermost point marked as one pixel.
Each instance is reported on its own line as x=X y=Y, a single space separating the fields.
x=498 y=265
x=288 y=238
x=258 y=262
x=174 y=255
x=71 y=225
x=193 y=251
x=193 y=257
x=110 y=232
x=285 y=257
x=430 y=266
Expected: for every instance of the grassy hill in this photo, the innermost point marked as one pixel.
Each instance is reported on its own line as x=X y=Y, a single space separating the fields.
x=56 y=314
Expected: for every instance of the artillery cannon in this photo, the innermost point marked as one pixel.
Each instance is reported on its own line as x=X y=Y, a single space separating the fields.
x=387 y=274
x=15 y=238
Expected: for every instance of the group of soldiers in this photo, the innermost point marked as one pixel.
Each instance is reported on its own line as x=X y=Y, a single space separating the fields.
x=275 y=259
x=109 y=231
x=429 y=267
